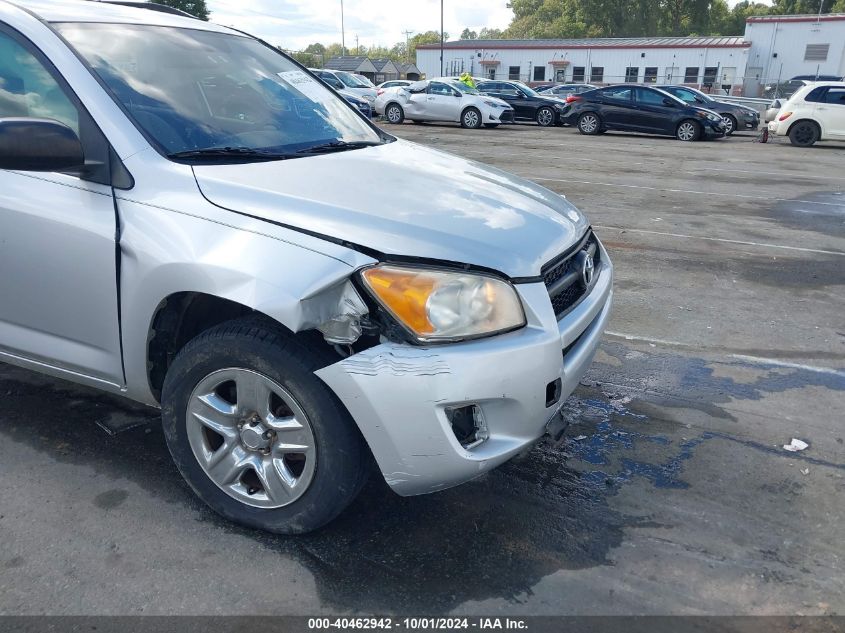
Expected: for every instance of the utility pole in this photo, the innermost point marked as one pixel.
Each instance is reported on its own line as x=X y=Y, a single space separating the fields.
x=342 y=32
x=441 y=38
x=821 y=5
x=356 y=45
x=408 y=35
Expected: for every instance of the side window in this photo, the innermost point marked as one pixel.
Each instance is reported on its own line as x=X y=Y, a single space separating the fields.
x=816 y=95
x=617 y=94
x=440 y=89
x=28 y=90
x=649 y=97
x=835 y=96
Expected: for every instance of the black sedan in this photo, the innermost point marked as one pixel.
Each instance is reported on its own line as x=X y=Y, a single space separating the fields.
x=736 y=117
x=527 y=104
x=640 y=109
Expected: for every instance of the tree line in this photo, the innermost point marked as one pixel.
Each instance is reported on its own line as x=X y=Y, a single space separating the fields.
x=644 y=18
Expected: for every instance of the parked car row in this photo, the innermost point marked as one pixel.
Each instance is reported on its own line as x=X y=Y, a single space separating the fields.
x=687 y=116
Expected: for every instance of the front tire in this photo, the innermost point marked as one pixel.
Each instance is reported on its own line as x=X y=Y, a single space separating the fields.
x=471 y=119
x=394 y=114
x=804 y=134
x=730 y=124
x=688 y=130
x=258 y=437
x=589 y=123
x=545 y=117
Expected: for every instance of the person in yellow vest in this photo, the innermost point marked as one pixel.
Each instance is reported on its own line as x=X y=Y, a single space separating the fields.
x=466 y=78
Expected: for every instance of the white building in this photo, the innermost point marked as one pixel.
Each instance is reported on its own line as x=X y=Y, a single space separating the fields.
x=783 y=46
x=773 y=47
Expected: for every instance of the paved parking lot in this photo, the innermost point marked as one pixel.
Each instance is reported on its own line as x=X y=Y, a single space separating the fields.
x=671 y=495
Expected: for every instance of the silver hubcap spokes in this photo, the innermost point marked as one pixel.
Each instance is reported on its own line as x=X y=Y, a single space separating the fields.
x=393 y=115
x=251 y=438
x=729 y=124
x=471 y=119
x=589 y=123
x=545 y=117
x=686 y=132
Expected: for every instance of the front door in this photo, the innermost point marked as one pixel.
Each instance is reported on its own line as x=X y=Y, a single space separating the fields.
x=58 y=288
x=831 y=112
x=443 y=102
x=651 y=114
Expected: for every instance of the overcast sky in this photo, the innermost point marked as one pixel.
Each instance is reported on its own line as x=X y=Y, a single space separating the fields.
x=294 y=24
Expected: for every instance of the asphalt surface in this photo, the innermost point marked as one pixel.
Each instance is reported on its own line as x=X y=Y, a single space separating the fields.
x=671 y=495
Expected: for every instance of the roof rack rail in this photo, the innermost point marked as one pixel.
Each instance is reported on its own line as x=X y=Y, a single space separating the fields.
x=151 y=6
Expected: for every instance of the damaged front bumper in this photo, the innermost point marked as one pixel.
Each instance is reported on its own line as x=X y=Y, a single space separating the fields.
x=404 y=398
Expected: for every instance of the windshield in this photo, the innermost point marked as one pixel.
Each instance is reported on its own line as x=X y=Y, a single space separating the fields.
x=190 y=89
x=365 y=81
x=528 y=92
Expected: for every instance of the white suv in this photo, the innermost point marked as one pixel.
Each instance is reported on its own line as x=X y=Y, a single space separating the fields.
x=816 y=112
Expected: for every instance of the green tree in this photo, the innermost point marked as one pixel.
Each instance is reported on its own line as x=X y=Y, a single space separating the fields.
x=467 y=34
x=429 y=37
x=196 y=8
x=491 y=34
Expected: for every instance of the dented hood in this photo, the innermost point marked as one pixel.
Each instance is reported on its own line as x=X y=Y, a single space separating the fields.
x=406 y=200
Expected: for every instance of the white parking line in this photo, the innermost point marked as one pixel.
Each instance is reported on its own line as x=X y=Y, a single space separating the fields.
x=757 y=360
x=721 y=239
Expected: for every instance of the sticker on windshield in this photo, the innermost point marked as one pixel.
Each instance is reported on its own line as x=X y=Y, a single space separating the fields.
x=304 y=84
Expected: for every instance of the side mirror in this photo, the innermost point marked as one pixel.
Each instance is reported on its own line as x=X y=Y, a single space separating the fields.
x=668 y=102
x=28 y=144
x=776 y=104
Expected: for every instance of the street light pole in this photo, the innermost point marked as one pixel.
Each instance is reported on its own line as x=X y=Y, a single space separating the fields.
x=342 y=32
x=441 y=38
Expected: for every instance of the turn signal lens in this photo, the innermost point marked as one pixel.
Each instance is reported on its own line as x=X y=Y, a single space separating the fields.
x=440 y=305
x=784 y=116
x=572 y=98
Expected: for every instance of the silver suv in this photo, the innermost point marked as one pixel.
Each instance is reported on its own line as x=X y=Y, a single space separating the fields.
x=188 y=220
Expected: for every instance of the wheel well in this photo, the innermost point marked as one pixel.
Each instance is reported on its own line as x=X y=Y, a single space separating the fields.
x=179 y=318
x=184 y=315
x=469 y=107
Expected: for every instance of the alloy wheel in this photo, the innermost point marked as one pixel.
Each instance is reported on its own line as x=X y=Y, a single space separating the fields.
x=471 y=119
x=251 y=438
x=545 y=117
x=729 y=124
x=588 y=123
x=686 y=131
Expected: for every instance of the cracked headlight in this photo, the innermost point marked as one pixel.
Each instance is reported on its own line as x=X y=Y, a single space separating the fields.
x=439 y=305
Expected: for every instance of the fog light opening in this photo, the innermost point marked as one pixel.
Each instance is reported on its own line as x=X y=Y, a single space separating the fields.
x=468 y=425
x=553 y=390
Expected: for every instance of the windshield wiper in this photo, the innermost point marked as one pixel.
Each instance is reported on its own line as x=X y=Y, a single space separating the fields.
x=336 y=146
x=246 y=153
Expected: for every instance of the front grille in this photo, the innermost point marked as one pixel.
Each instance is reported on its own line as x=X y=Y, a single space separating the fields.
x=564 y=278
x=506 y=116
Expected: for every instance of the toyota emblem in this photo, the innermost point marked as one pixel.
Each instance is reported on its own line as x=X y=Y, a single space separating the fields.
x=588 y=270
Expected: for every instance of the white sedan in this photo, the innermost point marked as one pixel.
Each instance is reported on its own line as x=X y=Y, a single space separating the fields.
x=442 y=100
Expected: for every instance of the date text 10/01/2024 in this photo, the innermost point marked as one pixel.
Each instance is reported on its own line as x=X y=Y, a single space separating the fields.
x=435 y=624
